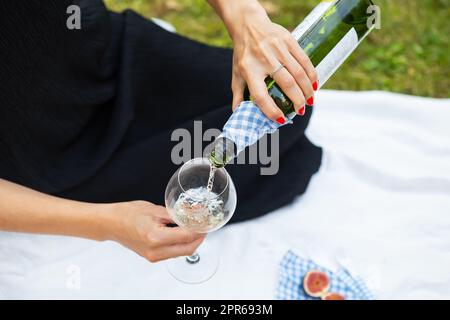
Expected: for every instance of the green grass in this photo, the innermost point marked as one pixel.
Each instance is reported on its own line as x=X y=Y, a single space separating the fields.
x=409 y=54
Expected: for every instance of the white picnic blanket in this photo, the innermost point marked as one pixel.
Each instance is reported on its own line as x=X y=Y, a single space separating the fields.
x=380 y=206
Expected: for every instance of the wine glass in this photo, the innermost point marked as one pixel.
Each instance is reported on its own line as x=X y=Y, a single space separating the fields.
x=199 y=204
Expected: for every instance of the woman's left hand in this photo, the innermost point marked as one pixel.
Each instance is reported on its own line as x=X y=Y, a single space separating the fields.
x=260 y=48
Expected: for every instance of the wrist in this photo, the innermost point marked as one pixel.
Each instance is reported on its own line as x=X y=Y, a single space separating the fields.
x=109 y=220
x=236 y=13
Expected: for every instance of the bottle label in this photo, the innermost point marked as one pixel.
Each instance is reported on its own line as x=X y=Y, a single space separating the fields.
x=315 y=15
x=336 y=57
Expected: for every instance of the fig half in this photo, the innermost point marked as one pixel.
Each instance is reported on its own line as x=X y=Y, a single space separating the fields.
x=316 y=283
x=333 y=296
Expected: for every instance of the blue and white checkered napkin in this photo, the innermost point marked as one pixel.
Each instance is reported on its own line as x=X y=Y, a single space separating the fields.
x=247 y=125
x=294 y=269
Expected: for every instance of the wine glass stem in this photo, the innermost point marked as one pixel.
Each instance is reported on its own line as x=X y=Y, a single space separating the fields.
x=193 y=259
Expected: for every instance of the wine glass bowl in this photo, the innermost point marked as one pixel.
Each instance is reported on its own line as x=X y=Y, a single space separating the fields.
x=189 y=202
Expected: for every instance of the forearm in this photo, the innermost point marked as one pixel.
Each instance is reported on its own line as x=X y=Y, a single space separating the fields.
x=233 y=12
x=25 y=210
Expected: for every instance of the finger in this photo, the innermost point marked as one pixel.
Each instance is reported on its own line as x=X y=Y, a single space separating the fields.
x=177 y=250
x=299 y=74
x=261 y=97
x=290 y=87
x=177 y=235
x=170 y=235
x=162 y=215
x=237 y=86
x=303 y=59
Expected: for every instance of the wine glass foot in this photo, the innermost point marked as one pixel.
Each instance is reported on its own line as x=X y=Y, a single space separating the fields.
x=195 y=269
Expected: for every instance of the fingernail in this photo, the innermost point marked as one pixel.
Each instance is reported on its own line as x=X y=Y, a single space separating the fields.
x=315 y=86
x=301 y=111
x=310 y=101
x=281 y=120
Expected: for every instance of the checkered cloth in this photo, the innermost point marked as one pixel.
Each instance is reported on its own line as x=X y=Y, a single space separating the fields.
x=247 y=125
x=294 y=269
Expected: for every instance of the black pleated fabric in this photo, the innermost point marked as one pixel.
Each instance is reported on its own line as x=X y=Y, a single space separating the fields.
x=88 y=114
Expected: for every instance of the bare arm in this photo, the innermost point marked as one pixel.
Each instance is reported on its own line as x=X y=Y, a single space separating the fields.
x=25 y=210
x=138 y=225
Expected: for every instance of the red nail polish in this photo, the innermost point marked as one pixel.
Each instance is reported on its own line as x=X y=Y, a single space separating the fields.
x=310 y=101
x=301 y=111
x=315 y=86
x=281 y=120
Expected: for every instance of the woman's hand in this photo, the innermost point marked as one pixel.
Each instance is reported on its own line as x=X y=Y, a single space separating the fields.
x=260 y=47
x=142 y=227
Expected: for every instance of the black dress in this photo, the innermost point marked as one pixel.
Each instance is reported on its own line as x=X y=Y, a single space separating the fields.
x=88 y=114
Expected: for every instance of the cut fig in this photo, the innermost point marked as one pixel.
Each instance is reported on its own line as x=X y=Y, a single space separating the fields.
x=316 y=283
x=333 y=296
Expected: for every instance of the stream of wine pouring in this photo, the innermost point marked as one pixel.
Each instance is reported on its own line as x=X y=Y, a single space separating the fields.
x=212 y=172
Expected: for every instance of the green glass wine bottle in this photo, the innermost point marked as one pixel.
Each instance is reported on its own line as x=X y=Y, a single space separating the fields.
x=329 y=34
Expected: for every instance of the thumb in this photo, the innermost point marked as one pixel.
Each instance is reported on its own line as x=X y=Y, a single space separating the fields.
x=237 y=86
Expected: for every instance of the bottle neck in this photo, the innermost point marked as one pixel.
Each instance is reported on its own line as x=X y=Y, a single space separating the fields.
x=223 y=152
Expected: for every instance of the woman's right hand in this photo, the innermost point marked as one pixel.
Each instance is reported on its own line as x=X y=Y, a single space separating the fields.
x=262 y=48
x=142 y=227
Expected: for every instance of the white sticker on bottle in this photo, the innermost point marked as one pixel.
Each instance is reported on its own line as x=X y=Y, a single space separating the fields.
x=315 y=15
x=337 y=56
